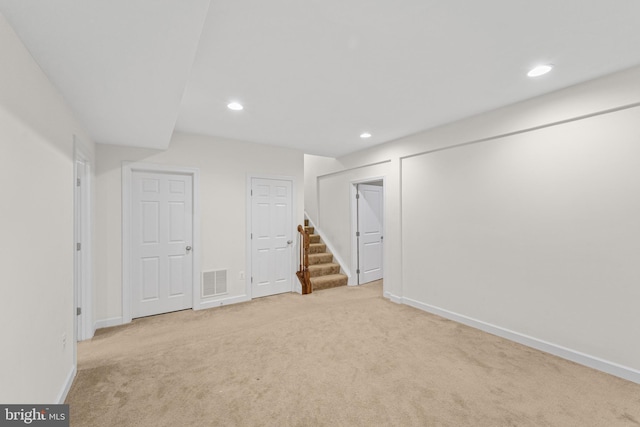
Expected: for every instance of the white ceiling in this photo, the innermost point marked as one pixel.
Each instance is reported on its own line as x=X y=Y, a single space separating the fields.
x=312 y=74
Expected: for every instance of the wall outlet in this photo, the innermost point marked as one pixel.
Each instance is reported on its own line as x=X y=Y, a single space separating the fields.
x=242 y=275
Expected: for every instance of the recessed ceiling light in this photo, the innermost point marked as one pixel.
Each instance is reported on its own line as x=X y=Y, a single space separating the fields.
x=365 y=135
x=540 y=70
x=235 y=106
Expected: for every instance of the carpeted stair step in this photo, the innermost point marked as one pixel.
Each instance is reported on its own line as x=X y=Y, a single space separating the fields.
x=317 y=248
x=314 y=238
x=324 y=269
x=329 y=281
x=309 y=230
x=323 y=258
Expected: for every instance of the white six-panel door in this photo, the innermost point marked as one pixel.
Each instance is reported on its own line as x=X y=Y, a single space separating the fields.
x=271 y=236
x=161 y=239
x=370 y=227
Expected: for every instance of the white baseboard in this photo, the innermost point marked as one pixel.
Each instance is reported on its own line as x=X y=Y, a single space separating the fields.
x=597 y=363
x=392 y=297
x=221 y=301
x=92 y=332
x=62 y=396
x=107 y=323
x=116 y=321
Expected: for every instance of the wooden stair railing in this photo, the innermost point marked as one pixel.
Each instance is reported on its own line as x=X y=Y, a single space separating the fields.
x=303 y=272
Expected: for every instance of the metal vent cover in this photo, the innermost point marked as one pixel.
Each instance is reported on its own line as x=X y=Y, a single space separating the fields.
x=214 y=283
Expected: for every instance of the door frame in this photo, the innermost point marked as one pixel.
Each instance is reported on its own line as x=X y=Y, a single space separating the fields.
x=295 y=286
x=82 y=233
x=354 y=280
x=128 y=168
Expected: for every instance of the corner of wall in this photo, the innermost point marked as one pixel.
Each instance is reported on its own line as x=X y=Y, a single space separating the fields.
x=62 y=396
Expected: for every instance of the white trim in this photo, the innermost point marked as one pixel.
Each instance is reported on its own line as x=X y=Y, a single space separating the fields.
x=353 y=281
x=597 y=363
x=107 y=323
x=524 y=130
x=295 y=287
x=62 y=396
x=341 y=171
x=85 y=292
x=392 y=297
x=127 y=171
x=211 y=303
x=353 y=209
x=247 y=268
x=400 y=271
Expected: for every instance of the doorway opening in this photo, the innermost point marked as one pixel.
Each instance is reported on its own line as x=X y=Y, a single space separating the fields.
x=368 y=230
x=82 y=201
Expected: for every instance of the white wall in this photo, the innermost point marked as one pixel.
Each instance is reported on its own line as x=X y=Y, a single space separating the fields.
x=337 y=201
x=329 y=182
x=522 y=221
x=315 y=166
x=224 y=166
x=37 y=248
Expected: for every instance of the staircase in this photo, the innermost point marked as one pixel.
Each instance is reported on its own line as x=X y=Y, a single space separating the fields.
x=324 y=272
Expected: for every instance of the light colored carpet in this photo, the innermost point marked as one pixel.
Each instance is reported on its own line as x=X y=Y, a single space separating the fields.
x=338 y=357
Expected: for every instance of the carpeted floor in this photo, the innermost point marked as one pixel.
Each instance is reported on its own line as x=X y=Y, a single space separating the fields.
x=338 y=357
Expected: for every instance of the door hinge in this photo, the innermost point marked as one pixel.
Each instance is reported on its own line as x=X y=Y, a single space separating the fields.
x=78 y=246
x=251 y=236
x=78 y=311
x=357 y=195
x=252 y=279
x=358 y=271
x=357 y=234
x=78 y=182
x=252 y=192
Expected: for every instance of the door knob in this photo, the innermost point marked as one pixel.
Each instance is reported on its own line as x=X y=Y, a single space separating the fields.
x=188 y=248
x=289 y=242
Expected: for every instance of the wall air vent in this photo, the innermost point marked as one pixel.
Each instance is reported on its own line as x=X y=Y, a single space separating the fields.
x=214 y=283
